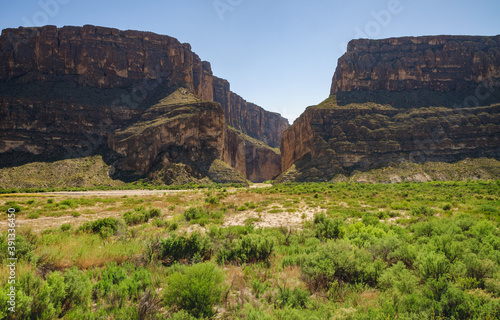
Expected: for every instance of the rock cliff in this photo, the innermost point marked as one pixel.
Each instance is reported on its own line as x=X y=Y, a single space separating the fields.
x=395 y=100
x=247 y=117
x=252 y=158
x=77 y=91
x=438 y=63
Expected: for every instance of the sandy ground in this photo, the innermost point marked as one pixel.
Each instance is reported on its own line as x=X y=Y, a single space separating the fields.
x=260 y=219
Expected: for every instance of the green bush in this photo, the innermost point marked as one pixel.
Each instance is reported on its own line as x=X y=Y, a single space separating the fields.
x=296 y=298
x=65 y=227
x=250 y=248
x=184 y=247
x=140 y=215
x=339 y=261
x=119 y=284
x=196 y=289
x=422 y=210
x=195 y=213
x=326 y=228
x=212 y=200
x=24 y=248
x=79 y=287
x=105 y=227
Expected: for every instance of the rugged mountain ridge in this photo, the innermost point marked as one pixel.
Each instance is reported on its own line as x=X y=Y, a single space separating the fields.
x=401 y=99
x=72 y=91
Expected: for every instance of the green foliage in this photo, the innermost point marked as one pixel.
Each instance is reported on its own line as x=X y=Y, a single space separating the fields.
x=195 y=213
x=65 y=227
x=24 y=249
x=212 y=200
x=195 y=289
x=202 y=216
x=326 y=228
x=339 y=261
x=140 y=215
x=184 y=247
x=105 y=227
x=296 y=298
x=79 y=288
x=119 y=284
x=250 y=248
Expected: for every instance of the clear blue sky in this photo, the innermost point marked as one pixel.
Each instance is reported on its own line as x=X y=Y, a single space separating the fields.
x=279 y=54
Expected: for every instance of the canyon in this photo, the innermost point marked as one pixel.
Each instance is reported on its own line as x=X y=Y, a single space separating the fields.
x=153 y=110
x=143 y=100
x=413 y=99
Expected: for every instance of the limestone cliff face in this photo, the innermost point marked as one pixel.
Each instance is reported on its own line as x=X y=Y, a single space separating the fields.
x=78 y=91
x=251 y=157
x=439 y=63
x=248 y=117
x=400 y=100
x=101 y=57
x=180 y=128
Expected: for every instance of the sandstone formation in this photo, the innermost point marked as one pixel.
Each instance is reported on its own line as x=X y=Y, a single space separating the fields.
x=78 y=91
x=248 y=117
x=438 y=63
x=395 y=100
x=252 y=158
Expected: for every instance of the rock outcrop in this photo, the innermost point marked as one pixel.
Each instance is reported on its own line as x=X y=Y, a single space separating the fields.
x=437 y=63
x=252 y=158
x=396 y=100
x=77 y=91
x=247 y=117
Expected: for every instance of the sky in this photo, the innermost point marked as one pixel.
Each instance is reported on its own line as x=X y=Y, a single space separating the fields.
x=279 y=54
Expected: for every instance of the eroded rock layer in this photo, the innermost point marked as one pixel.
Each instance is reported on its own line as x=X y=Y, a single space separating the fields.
x=252 y=158
x=247 y=117
x=75 y=91
x=400 y=100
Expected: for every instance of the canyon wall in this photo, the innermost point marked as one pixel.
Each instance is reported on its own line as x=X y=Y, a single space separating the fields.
x=400 y=100
x=72 y=92
x=247 y=117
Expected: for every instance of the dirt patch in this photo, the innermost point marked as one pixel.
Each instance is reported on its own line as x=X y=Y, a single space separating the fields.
x=272 y=220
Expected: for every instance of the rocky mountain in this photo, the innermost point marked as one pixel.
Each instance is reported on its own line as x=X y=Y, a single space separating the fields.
x=400 y=100
x=140 y=98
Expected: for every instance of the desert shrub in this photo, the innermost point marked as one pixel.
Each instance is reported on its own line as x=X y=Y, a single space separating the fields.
x=105 y=227
x=65 y=227
x=68 y=203
x=140 y=215
x=447 y=207
x=296 y=298
x=196 y=289
x=182 y=315
x=184 y=247
x=212 y=200
x=24 y=248
x=479 y=269
x=326 y=228
x=79 y=288
x=399 y=278
x=13 y=205
x=421 y=210
x=249 y=248
x=195 y=213
x=339 y=261
x=202 y=216
x=433 y=265
x=118 y=284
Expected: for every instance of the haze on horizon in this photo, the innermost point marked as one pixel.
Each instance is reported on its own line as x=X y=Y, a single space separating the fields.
x=280 y=55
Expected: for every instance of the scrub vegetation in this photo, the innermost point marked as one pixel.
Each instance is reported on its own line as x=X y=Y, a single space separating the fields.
x=291 y=251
